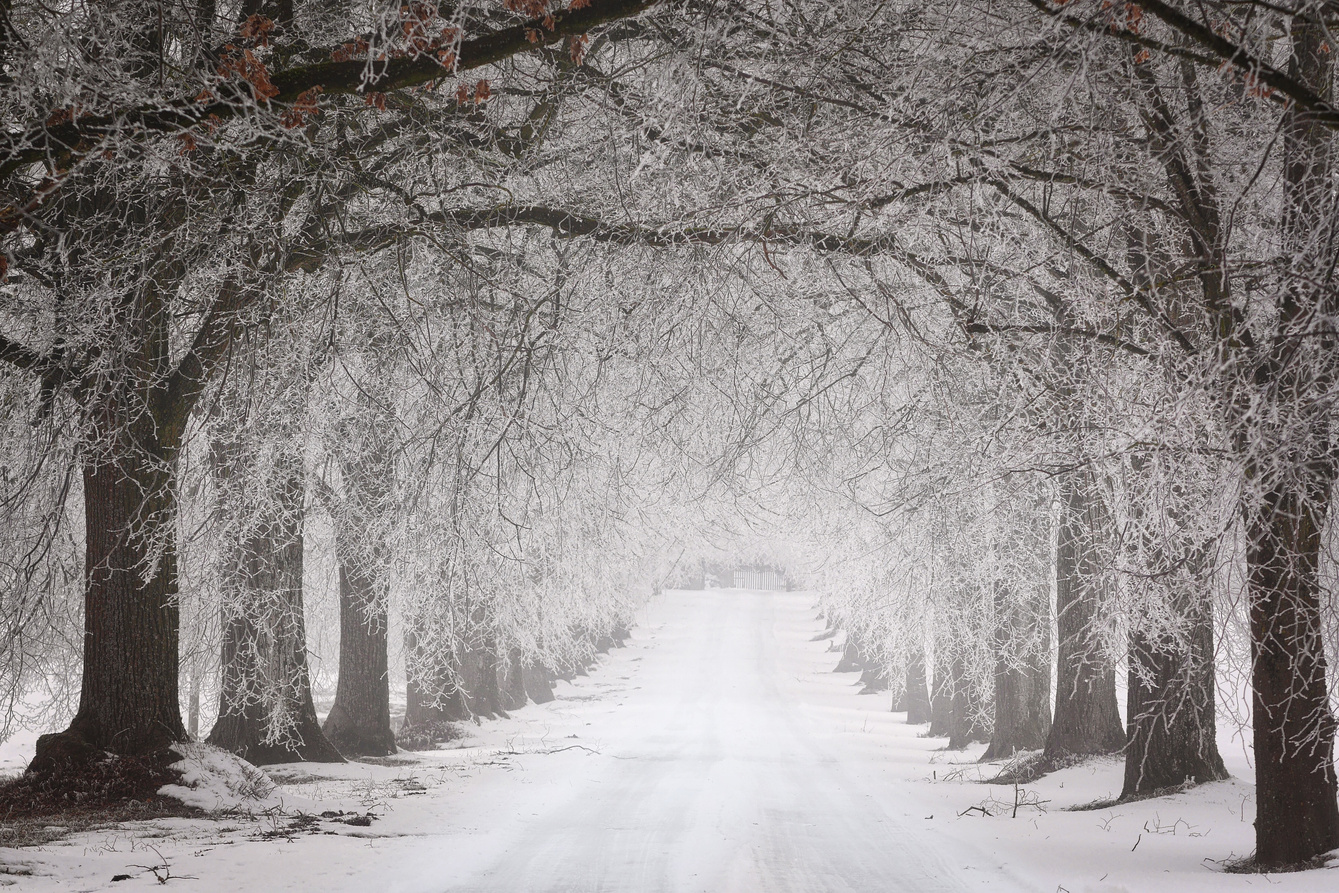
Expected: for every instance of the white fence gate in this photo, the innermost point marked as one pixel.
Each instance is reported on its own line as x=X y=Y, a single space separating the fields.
x=758 y=578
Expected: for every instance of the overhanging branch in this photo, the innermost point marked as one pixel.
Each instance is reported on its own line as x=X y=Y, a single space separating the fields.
x=1219 y=51
x=83 y=136
x=1096 y=261
x=21 y=357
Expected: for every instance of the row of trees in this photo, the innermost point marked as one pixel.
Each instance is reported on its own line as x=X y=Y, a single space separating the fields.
x=1021 y=296
x=1110 y=252
x=218 y=327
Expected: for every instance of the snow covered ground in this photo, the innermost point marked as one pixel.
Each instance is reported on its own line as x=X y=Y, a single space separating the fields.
x=717 y=752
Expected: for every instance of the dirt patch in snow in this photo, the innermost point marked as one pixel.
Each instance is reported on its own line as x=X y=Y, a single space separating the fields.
x=80 y=796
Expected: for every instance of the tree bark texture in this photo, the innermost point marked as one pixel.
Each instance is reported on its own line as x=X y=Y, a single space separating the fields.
x=1087 y=718
x=1292 y=473
x=1172 y=734
x=917 y=692
x=266 y=714
x=479 y=690
x=1293 y=724
x=128 y=701
x=469 y=683
x=359 y=723
x=967 y=720
x=422 y=709
x=426 y=717
x=1022 y=647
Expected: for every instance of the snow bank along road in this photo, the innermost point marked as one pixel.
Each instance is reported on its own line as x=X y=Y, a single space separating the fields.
x=714 y=774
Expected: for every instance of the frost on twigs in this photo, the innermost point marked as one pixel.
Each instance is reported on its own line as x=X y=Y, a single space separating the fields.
x=1022 y=768
x=994 y=806
x=215 y=780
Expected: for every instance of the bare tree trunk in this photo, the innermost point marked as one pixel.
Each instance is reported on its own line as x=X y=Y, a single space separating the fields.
x=359 y=723
x=1170 y=710
x=129 y=699
x=853 y=656
x=128 y=703
x=480 y=694
x=941 y=692
x=1293 y=474
x=873 y=677
x=1022 y=670
x=427 y=688
x=1170 y=706
x=266 y=714
x=918 y=693
x=538 y=683
x=1087 y=719
x=1293 y=724
x=967 y=722
x=421 y=711
x=482 y=685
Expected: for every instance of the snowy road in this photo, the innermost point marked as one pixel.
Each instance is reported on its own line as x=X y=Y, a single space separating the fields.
x=713 y=775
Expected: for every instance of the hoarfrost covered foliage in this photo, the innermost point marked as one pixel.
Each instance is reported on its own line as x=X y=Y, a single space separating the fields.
x=523 y=308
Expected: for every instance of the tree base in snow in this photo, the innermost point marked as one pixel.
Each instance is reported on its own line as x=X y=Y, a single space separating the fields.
x=1152 y=794
x=244 y=735
x=352 y=739
x=1007 y=750
x=538 y=684
x=427 y=735
x=73 y=778
x=1028 y=766
x=1249 y=865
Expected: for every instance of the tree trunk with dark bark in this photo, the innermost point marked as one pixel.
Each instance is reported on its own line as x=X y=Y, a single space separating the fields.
x=941 y=694
x=359 y=724
x=853 y=656
x=538 y=683
x=128 y=703
x=423 y=704
x=266 y=714
x=427 y=717
x=967 y=721
x=1022 y=646
x=918 y=693
x=1172 y=733
x=1293 y=724
x=1170 y=704
x=873 y=678
x=1087 y=718
x=480 y=694
x=1291 y=476
x=129 y=698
